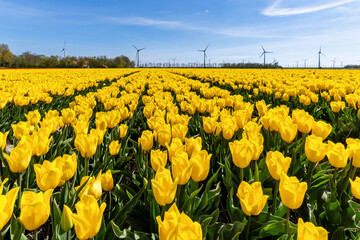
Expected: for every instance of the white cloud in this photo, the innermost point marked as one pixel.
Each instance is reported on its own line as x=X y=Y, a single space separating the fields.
x=275 y=9
x=141 y=21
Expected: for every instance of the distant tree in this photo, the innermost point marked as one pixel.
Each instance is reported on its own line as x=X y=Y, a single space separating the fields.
x=6 y=56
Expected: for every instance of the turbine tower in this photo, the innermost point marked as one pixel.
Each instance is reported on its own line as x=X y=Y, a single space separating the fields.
x=64 y=49
x=137 y=54
x=305 y=62
x=264 y=53
x=174 y=60
x=320 y=53
x=204 y=51
x=297 y=64
x=333 y=61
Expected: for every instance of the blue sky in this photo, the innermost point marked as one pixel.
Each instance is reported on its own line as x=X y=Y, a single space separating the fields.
x=234 y=30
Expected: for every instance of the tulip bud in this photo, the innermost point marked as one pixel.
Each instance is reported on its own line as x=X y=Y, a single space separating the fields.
x=179 y=131
x=21 y=129
x=288 y=130
x=66 y=219
x=241 y=152
x=355 y=187
x=337 y=154
x=201 y=165
x=261 y=107
x=19 y=157
x=292 y=192
x=209 y=124
x=33 y=117
x=193 y=145
x=251 y=197
x=181 y=167
x=146 y=140
x=3 y=137
x=308 y=230
x=354 y=150
x=321 y=129
x=315 y=149
x=123 y=128
x=277 y=164
x=158 y=159
x=164 y=135
x=107 y=181
x=86 y=144
x=68 y=166
x=164 y=188
x=48 y=174
x=176 y=145
x=7 y=204
x=114 y=147
x=68 y=115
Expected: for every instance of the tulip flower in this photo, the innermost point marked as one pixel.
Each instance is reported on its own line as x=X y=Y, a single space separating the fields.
x=68 y=166
x=19 y=157
x=114 y=147
x=292 y=192
x=41 y=143
x=164 y=188
x=66 y=222
x=81 y=127
x=337 y=106
x=101 y=121
x=261 y=107
x=308 y=231
x=158 y=159
x=48 y=175
x=68 y=115
x=3 y=137
x=35 y=209
x=86 y=144
x=123 y=128
x=303 y=120
x=277 y=164
x=252 y=199
x=257 y=141
x=354 y=150
x=178 y=226
x=99 y=134
x=288 y=130
x=179 y=131
x=146 y=140
x=181 y=167
x=113 y=118
x=209 y=124
x=88 y=217
x=21 y=129
x=355 y=187
x=193 y=145
x=321 y=129
x=92 y=187
x=7 y=203
x=337 y=154
x=315 y=149
x=241 y=152
x=33 y=117
x=107 y=181
x=242 y=117
x=176 y=145
x=164 y=135
x=201 y=165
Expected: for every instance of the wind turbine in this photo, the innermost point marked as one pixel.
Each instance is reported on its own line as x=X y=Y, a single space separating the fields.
x=297 y=64
x=204 y=51
x=137 y=54
x=64 y=49
x=305 y=62
x=320 y=53
x=274 y=61
x=264 y=53
x=174 y=60
x=334 y=60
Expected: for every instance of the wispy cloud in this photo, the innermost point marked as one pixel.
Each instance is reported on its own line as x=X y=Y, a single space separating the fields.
x=141 y=21
x=8 y=8
x=275 y=9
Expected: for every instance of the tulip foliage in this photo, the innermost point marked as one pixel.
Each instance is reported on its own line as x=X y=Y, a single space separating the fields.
x=179 y=154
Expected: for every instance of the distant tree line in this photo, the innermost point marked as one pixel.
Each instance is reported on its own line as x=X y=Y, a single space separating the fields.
x=352 y=66
x=251 y=65
x=31 y=60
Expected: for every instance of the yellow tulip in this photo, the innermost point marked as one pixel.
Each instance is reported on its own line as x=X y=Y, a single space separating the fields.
x=308 y=230
x=315 y=149
x=81 y=127
x=164 y=135
x=123 y=128
x=41 y=143
x=33 y=117
x=21 y=129
x=176 y=145
x=68 y=165
x=66 y=222
x=107 y=181
x=241 y=152
x=337 y=106
x=354 y=150
x=88 y=217
x=92 y=186
x=48 y=174
x=201 y=165
x=146 y=140
x=252 y=199
x=7 y=203
x=113 y=118
x=3 y=137
x=35 y=209
x=288 y=130
x=19 y=157
x=68 y=115
x=303 y=120
x=209 y=124
x=158 y=159
x=99 y=134
x=101 y=121
x=114 y=147
x=193 y=145
x=355 y=187
x=178 y=226
x=181 y=167
x=228 y=127
x=277 y=164
x=179 y=131
x=337 y=154
x=164 y=188
x=261 y=107
x=86 y=144
x=292 y=192
x=321 y=129
x=257 y=141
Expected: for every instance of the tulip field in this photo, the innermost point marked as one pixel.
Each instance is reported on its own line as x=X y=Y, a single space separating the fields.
x=179 y=154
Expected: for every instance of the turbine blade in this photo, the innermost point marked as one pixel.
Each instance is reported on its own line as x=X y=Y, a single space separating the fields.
x=206 y=47
x=261 y=55
x=135 y=47
x=141 y=49
x=263 y=48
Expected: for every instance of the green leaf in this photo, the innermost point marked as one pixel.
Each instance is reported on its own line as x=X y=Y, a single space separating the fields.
x=17 y=229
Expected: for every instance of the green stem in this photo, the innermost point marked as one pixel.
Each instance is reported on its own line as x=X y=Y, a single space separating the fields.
x=68 y=235
x=178 y=196
x=276 y=191
x=86 y=166
x=35 y=232
x=310 y=171
x=334 y=176
x=256 y=171
x=248 y=228
x=109 y=205
x=241 y=175
x=287 y=224
x=19 y=184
